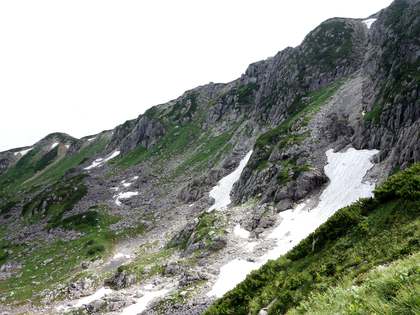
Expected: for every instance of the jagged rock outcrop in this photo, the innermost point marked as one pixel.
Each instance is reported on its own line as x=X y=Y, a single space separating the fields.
x=6 y=161
x=385 y=60
x=391 y=95
x=332 y=51
x=143 y=131
x=120 y=280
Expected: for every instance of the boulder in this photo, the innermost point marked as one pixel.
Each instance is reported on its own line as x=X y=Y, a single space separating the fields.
x=122 y=279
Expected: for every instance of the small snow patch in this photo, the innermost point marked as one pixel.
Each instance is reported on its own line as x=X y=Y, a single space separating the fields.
x=23 y=152
x=126 y=184
x=125 y=195
x=369 y=22
x=121 y=256
x=114 y=154
x=54 y=145
x=91 y=139
x=100 y=161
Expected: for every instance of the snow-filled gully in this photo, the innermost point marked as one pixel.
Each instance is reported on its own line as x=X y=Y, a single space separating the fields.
x=345 y=171
x=221 y=192
x=101 y=161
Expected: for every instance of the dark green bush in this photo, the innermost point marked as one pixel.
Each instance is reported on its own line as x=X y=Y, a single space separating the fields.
x=81 y=221
x=46 y=159
x=404 y=185
x=95 y=249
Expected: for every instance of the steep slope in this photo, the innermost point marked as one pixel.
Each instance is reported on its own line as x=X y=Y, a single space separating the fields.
x=118 y=219
x=391 y=93
x=363 y=236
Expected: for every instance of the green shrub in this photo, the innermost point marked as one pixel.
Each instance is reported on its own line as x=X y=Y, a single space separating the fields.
x=46 y=159
x=374 y=115
x=56 y=199
x=404 y=185
x=95 y=249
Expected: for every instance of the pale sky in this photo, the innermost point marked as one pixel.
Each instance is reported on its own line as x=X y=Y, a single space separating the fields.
x=82 y=66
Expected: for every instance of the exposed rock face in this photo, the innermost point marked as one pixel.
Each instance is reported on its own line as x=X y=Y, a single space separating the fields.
x=378 y=108
x=5 y=163
x=143 y=131
x=332 y=51
x=287 y=165
x=391 y=95
x=202 y=236
x=198 y=187
x=192 y=192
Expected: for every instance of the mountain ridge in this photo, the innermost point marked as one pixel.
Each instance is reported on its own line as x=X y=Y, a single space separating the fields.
x=131 y=208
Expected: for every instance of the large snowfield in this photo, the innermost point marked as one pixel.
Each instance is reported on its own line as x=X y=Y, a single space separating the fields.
x=345 y=171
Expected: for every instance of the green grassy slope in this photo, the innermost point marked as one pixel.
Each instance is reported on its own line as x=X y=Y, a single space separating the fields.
x=47 y=264
x=35 y=171
x=392 y=289
x=351 y=243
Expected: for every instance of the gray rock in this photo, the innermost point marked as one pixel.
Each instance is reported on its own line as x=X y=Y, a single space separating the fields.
x=172 y=269
x=284 y=204
x=122 y=279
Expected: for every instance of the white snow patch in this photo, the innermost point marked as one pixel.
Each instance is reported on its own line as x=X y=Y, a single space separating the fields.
x=125 y=195
x=240 y=232
x=67 y=146
x=114 y=154
x=221 y=192
x=142 y=303
x=345 y=171
x=121 y=255
x=231 y=274
x=54 y=145
x=100 y=161
x=101 y=292
x=135 y=178
x=23 y=152
x=369 y=22
x=91 y=139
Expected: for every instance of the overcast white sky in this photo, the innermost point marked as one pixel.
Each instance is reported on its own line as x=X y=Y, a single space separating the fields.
x=84 y=66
